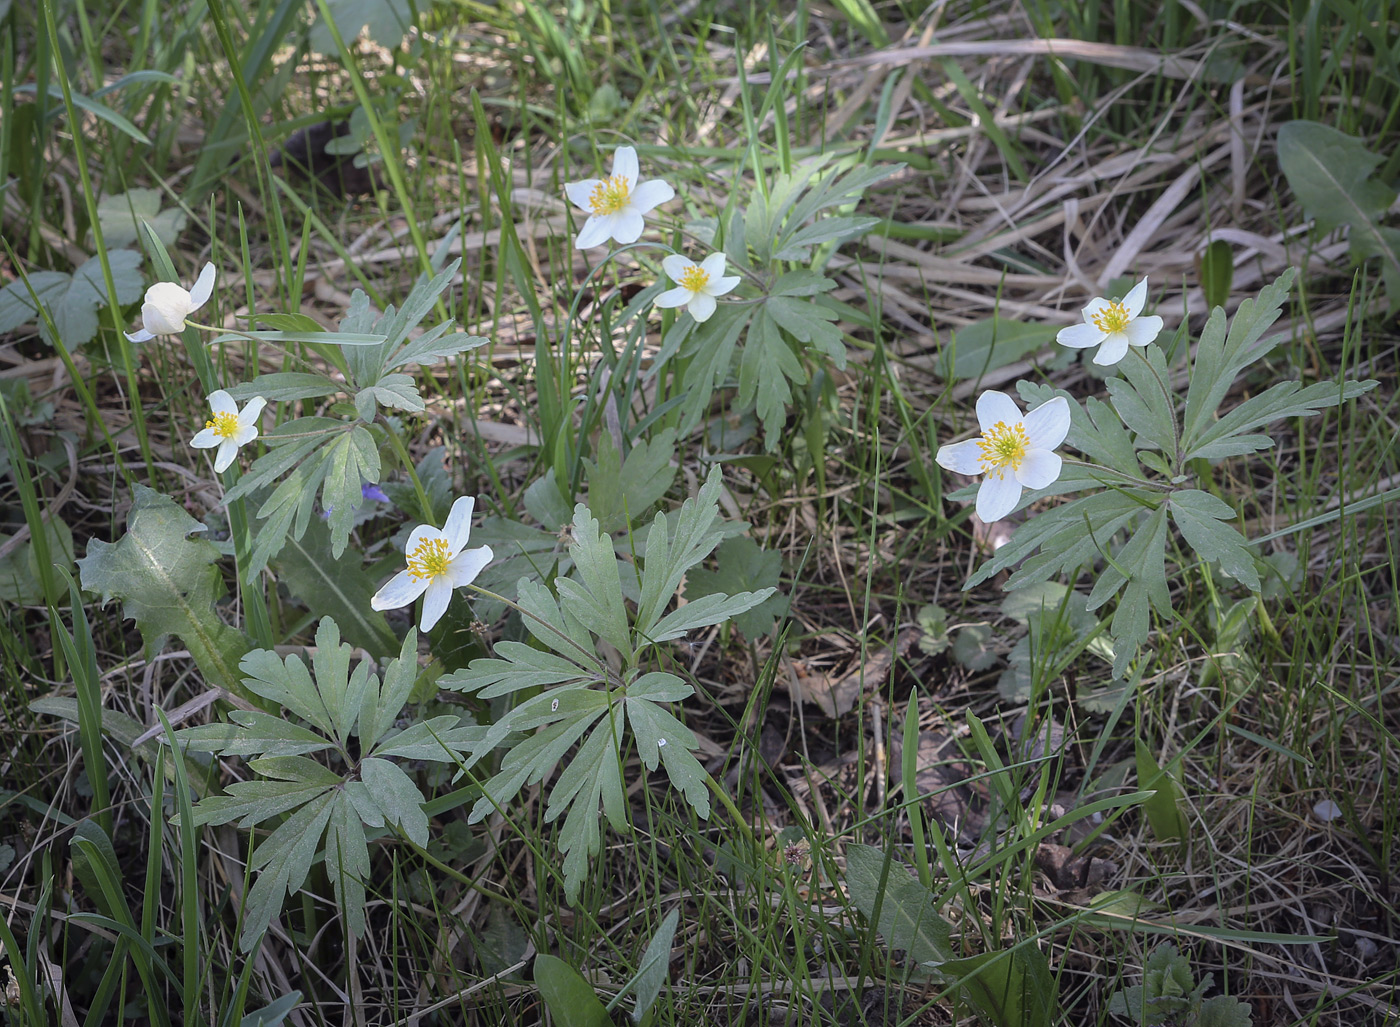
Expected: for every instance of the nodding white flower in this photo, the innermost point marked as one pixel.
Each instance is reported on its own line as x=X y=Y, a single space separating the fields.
x=438 y=562
x=167 y=306
x=697 y=285
x=228 y=428
x=1113 y=326
x=616 y=204
x=1014 y=452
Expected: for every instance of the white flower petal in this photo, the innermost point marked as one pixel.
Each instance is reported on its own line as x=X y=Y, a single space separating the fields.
x=995 y=408
x=1039 y=469
x=713 y=265
x=625 y=164
x=963 y=457
x=469 y=564
x=702 y=307
x=228 y=449
x=1097 y=305
x=676 y=265
x=627 y=226
x=1136 y=299
x=1048 y=424
x=1143 y=330
x=723 y=286
x=203 y=288
x=651 y=194
x=165 y=309
x=419 y=535
x=222 y=403
x=435 y=599
x=579 y=192
x=400 y=590
x=252 y=411
x=997 y=497
x=141 y=336
x=1113 y=350
x=458 y=528
x=246 y=433
x=1080 y=336
x=597 y=230
x=677 y=297
x=205 y=439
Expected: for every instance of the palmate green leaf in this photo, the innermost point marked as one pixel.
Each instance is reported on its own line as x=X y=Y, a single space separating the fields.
x=253 y=733
x=594 y=594
x=1140 y=400
x=72 y=301
x=393 y=391
x=705 y=611
x=286 y=387
x=284 y=858
x=1201 y=519
x=252 y=802
x=1220 y=356
x=347 y=860
x=374 y=791
x=908 y=917
x=1331 y=173
x=709 y=352
x=352 y=461
x=989 y=345
x=597 y=777
x=121 y=215
x=369 y=364
x=1068 y=536
x=798 y=245
x=767 y=366
x=168 y=583
x=387 y=21
x=675 y=543
x=741 y=566
x=397 y=796
x=1144 y=559
x=661 y=737
x=1226 y=437
x=621 y=492
x=1095 y=429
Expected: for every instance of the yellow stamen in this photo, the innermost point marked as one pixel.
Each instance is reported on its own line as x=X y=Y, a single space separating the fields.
x=1003 y=445
x=1112 y=318
x=694 y=278
x=430 y=560
x=610 y=195
x=225 y=425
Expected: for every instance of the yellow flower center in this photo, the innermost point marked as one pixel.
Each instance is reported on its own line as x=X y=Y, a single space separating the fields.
x=430 y=560
x=1003 y=445
x=694 y=278
x=1112 y=318
x=610 y=195
x=225 y=425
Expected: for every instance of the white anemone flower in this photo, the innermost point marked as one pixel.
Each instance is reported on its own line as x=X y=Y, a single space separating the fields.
x=438 y=562
x=1014 y=452
x=616 y=204
x=697 y=285
x=228 y=428
x=167 y=306
x=1113 y=326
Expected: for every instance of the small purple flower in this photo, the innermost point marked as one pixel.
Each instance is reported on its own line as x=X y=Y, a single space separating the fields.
x=368 y=493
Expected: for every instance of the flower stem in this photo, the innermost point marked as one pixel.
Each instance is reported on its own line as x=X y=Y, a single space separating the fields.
x=402 y=451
